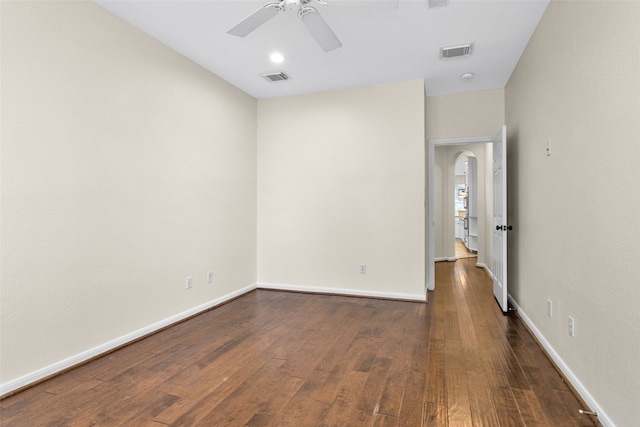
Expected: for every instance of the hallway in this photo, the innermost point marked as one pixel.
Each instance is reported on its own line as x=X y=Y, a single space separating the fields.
x=463 y=252
x=493 y=372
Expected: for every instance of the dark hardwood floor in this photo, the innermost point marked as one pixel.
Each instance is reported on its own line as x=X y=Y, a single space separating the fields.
x=285 y=359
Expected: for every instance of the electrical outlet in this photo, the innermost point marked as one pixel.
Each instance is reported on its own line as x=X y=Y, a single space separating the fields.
x=549 y=308
x=363 y=268
x=210 y=277
x=572 y=326
x=189 y=282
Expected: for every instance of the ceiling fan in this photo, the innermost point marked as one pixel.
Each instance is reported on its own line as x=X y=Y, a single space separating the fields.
x=309 y=16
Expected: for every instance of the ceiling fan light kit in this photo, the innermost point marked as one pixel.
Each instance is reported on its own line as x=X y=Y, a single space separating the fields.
x=310 y=17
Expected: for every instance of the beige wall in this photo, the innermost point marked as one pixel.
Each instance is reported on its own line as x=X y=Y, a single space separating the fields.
x=341 y=183
x=576 y=239
x=125 y=168
x=465 y=115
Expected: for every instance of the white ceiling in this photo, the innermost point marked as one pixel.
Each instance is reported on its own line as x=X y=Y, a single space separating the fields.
x=380 y=45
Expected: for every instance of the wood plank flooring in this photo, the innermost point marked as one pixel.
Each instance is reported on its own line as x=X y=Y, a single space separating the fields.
x=285 y=359
x=463 y=252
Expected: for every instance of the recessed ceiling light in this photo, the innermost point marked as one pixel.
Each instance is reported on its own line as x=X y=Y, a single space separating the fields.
x=277 y=57
x=467 y=76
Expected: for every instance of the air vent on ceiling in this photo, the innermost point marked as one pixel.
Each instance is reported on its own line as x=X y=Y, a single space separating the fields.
x=437 y=3
x=454 y=51
x=275 y=77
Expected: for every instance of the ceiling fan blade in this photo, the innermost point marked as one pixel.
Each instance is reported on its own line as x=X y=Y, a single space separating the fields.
x=320 y=30
x=254 y=20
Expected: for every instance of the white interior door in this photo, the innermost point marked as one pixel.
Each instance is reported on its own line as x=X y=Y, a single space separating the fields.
x=500 y=226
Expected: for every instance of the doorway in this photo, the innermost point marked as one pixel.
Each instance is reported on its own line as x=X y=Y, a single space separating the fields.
x=441 y=239
x=495 y=209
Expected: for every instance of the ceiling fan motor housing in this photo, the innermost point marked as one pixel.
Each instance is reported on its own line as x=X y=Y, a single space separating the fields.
x=297 y=4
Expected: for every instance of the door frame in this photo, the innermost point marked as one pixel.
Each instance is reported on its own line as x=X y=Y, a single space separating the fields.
x=431 y=226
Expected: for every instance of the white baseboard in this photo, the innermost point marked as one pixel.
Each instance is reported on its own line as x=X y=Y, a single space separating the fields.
x=571 y=377
x=484 y=266
x=101 y=349
x=342 y=291
x=104 y=348
x=77 y=359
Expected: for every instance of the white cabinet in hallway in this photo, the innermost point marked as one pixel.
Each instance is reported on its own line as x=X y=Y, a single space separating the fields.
x=471 y=225
x=459 y=227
